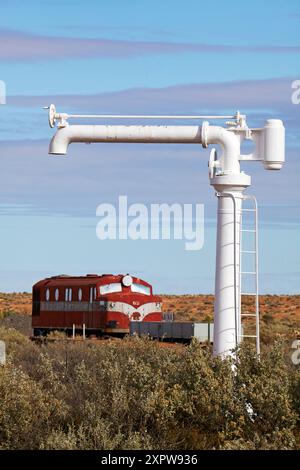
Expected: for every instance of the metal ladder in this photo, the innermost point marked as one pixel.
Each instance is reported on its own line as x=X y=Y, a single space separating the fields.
x=254 y=253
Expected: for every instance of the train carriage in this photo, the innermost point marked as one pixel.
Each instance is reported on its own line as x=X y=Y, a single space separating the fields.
x=102 y=304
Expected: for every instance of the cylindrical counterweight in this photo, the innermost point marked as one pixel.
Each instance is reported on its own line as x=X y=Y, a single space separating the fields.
x=274 y=144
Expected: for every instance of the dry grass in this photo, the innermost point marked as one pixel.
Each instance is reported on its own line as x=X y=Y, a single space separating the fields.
x=15 y=302
x=198 y=307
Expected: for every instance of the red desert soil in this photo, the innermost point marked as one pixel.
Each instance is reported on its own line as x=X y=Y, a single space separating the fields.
x=279 y=314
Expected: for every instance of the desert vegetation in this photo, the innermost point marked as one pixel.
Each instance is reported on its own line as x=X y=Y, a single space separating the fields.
x=135 y=394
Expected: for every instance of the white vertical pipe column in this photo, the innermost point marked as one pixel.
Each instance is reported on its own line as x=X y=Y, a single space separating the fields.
x=227 y=272
x=227 y=321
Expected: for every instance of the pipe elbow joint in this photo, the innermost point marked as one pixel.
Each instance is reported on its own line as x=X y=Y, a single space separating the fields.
x=230 y=145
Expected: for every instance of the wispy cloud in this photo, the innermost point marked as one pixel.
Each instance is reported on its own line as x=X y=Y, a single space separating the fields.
x=76 y=184
x=255 y=94
x=20 y=46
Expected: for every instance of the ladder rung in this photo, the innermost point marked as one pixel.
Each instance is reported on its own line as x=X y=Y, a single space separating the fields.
x=248 y=293
x=247 y=230
x=248 y=336
x=248 y=315
x=248 y=272
x=248 y=210
x=248 y=251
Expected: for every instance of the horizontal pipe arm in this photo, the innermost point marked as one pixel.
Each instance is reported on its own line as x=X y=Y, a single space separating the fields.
x=205 y=134
x=134 y=134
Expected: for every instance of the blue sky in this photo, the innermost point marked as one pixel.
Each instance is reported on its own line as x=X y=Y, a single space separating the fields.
x=140 y=57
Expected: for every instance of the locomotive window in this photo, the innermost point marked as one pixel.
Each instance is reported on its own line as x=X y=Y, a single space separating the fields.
x=68 y=295
x=56 y=294
x=47 y=294
x=111 y=288
x=80 y=294
x=140 y=289
x=95 y=293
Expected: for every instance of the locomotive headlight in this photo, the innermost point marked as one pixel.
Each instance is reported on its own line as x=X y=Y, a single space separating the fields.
x=127 y=280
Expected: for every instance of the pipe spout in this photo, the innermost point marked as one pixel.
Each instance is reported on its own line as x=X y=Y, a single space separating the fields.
x=131 y=134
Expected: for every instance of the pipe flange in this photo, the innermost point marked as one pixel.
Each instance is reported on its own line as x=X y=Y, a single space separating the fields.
x=204 y=134
x=52 y=115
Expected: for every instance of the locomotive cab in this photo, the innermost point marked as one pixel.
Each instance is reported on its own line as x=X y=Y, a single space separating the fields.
x=126 y=300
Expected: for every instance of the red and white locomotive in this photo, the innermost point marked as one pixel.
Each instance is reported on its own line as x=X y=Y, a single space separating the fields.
x=101 y=304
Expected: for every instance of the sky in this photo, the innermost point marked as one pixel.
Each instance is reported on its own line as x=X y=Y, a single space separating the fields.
x=140 y=57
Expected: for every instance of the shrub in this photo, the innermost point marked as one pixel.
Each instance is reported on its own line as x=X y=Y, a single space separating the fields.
x=26 y=411
x=12 y=338
x=134 y=394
